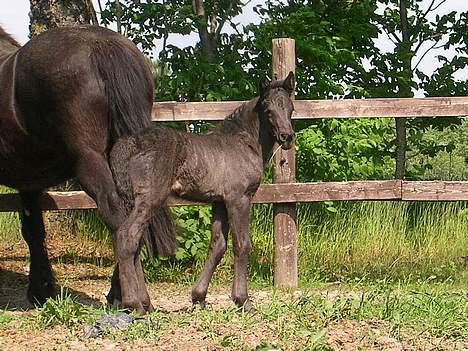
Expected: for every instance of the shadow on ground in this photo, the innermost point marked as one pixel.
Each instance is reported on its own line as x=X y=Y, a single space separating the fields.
x=13 y=288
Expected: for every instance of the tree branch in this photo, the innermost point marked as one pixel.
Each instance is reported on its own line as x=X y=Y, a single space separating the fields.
x=118 y=14
x=389 y=32
x=423 y=55
x=207 y=45
x=437 y=36
x=441 y=3
x=100 y=12
x=223 y=21
x=417 y=26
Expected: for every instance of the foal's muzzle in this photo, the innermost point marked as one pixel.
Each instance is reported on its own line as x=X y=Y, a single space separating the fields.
x=286 y=140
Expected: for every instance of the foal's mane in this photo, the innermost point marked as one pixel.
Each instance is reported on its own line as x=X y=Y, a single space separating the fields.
x=233 y=122
x=4 y=35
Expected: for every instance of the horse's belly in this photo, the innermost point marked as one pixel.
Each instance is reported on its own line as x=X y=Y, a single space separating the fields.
x=198 y=191
x=34 y=170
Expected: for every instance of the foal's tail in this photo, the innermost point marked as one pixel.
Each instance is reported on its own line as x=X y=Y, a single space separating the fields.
x=160 y=236
x=128 y=84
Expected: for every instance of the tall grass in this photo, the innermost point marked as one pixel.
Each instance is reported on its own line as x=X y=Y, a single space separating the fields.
x=372 y=240
x=360 y=241
x=9 y=227
x=9 y=224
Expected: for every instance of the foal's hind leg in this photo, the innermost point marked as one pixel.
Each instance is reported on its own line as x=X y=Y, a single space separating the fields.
x=127 y=245
x=142 y=290
x=41 y=280
x=128 y=237
x=219 y=234
x=239 y=214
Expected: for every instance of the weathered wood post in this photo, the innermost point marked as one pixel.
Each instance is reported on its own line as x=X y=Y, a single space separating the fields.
x=284 y=171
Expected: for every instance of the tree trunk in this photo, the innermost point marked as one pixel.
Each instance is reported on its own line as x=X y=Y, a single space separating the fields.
x=208 y=38
x=404 y=48
x=47 y=14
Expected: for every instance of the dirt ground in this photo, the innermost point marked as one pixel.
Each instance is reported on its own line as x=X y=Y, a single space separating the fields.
x=89 y=283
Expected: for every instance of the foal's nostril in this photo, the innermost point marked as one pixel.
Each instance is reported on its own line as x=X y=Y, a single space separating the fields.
x=285 y=137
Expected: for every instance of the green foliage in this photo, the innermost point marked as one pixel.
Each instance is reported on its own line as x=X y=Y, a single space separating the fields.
x=5 y=319
x=64 y=310
x=195 y=228
x=186 y=73
x=345 y=150
x=332 y=39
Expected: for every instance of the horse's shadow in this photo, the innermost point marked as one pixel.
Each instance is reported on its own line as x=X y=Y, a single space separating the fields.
x=13 y=289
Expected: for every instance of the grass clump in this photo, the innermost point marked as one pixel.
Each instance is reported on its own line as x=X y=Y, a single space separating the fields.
x=64 y=310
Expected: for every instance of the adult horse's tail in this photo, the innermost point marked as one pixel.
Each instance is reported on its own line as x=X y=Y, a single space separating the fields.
x=128 y=84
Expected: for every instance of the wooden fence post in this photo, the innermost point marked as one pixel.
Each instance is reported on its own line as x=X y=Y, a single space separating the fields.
x=284 y=171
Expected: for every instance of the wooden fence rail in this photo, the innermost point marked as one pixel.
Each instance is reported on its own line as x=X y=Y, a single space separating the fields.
x=315 y=109
x=396 y=190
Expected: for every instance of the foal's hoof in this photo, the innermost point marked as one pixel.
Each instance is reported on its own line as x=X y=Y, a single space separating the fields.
x=246 y=307
x=129 y=307
x=201 y=303
x=39 y=293
x=149 y=308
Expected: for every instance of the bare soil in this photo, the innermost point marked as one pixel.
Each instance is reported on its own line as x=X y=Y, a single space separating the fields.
x=76 y=268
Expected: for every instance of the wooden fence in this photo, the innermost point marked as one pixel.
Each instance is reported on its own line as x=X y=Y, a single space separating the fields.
x=285 y=193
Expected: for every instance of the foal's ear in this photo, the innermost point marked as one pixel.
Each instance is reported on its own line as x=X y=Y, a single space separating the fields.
x=264 y=84
x=290 y=82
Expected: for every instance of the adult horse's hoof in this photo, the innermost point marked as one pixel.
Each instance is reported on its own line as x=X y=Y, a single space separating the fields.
x=113 y=299
x=38 y=293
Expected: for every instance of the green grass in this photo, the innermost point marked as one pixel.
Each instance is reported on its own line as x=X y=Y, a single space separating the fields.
x=359 y=241
x=64 y=310
x=371 y=240
x=9 y=224
x=406 y=313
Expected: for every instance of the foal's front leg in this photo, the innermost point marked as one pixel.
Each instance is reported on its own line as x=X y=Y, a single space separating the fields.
x=219 y=234
x=239 y=221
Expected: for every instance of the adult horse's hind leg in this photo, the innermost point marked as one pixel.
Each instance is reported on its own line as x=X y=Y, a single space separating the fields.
x=41 y=279
x=95 y=177
x=239 y=214
x=219 y=235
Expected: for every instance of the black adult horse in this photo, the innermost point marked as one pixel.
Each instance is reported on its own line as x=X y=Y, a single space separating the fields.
x=65 y=98
x=223 y=167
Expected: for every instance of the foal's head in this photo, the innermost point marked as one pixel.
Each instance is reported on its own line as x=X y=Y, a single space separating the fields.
x=275 y=106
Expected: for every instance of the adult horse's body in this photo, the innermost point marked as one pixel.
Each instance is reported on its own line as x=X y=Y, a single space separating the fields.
x=65 y=98
x=223 y=167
